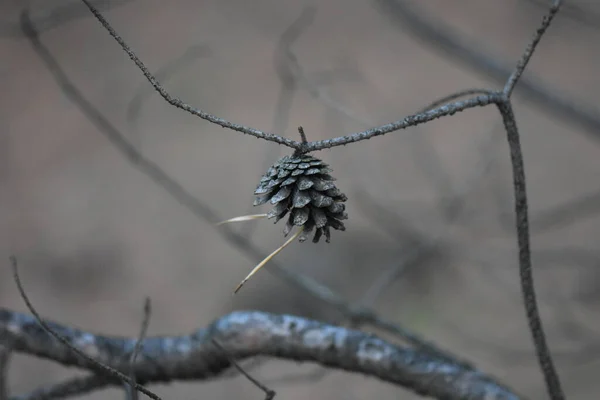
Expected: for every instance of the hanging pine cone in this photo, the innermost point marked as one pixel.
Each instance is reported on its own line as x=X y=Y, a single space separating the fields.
x=301 y=186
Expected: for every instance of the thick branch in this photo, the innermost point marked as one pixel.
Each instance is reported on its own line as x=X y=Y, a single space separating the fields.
x=251 y=333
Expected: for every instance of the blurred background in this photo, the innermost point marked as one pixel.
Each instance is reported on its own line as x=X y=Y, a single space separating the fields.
x=430 y=242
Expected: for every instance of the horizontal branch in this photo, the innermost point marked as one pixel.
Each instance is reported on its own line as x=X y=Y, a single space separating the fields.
x=412 y=120
x=246 y=334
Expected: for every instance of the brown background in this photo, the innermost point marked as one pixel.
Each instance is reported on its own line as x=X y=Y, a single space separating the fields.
x=94 y=235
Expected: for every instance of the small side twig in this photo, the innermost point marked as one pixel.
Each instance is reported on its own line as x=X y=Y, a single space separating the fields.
x=98 y=366
x=133 y=393
x=522 y=64
x=269 y=393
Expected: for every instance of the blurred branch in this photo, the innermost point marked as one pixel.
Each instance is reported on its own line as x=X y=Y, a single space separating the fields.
x=567 y=213
x=190 y=55
x=439 y=36
x=5 y=350
x=250 y=333
x=178 y=103
x=69 y=388
x=54 y=17
x=575 y=12
x=419 y=244
x=133 y=393
x=204 y=212
x=287 y=90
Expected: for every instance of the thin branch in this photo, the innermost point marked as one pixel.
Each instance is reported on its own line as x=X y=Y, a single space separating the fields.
x=439 y=36
x=575 y=12
x=175 y=102
x=412 y=120
x=204 y=212
x=133 y=393
x=247 y=334
x=269 y=393
x=70 y=346
x=164 y=73
x=525 y=268
x=522 y=64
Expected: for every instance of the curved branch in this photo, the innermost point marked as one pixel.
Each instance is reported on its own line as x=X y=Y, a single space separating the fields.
x=436 y=34
x=176 y=102
x=412 y=120
x=246 y=334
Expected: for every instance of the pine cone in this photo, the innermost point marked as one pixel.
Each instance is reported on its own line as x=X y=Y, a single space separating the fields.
x=302 y=186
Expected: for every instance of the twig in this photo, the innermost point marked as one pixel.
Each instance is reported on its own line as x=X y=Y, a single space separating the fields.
x=204 y=212
x=247 y=334
x=441 y=37
x=525 y=268
x=412 y=120
x=522 y=64
x=191 y=54
x=175 y=102
x=87 y=360
x=575 y=12
x=138 y=346
x=269 y=393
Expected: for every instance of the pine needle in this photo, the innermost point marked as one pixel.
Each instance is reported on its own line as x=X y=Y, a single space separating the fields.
x=266 y=260
x=243 y=218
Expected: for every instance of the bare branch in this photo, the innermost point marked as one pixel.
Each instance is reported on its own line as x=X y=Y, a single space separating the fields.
x=455 y=96
x=269 y=394
x=439 y=36
x=69 y=345
x=175 y=102
x=525 y=267
x=412 y=120
x=138 y=345
x=575 y=12
x=251 y=333
x=191 y=54
x=522 y=64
